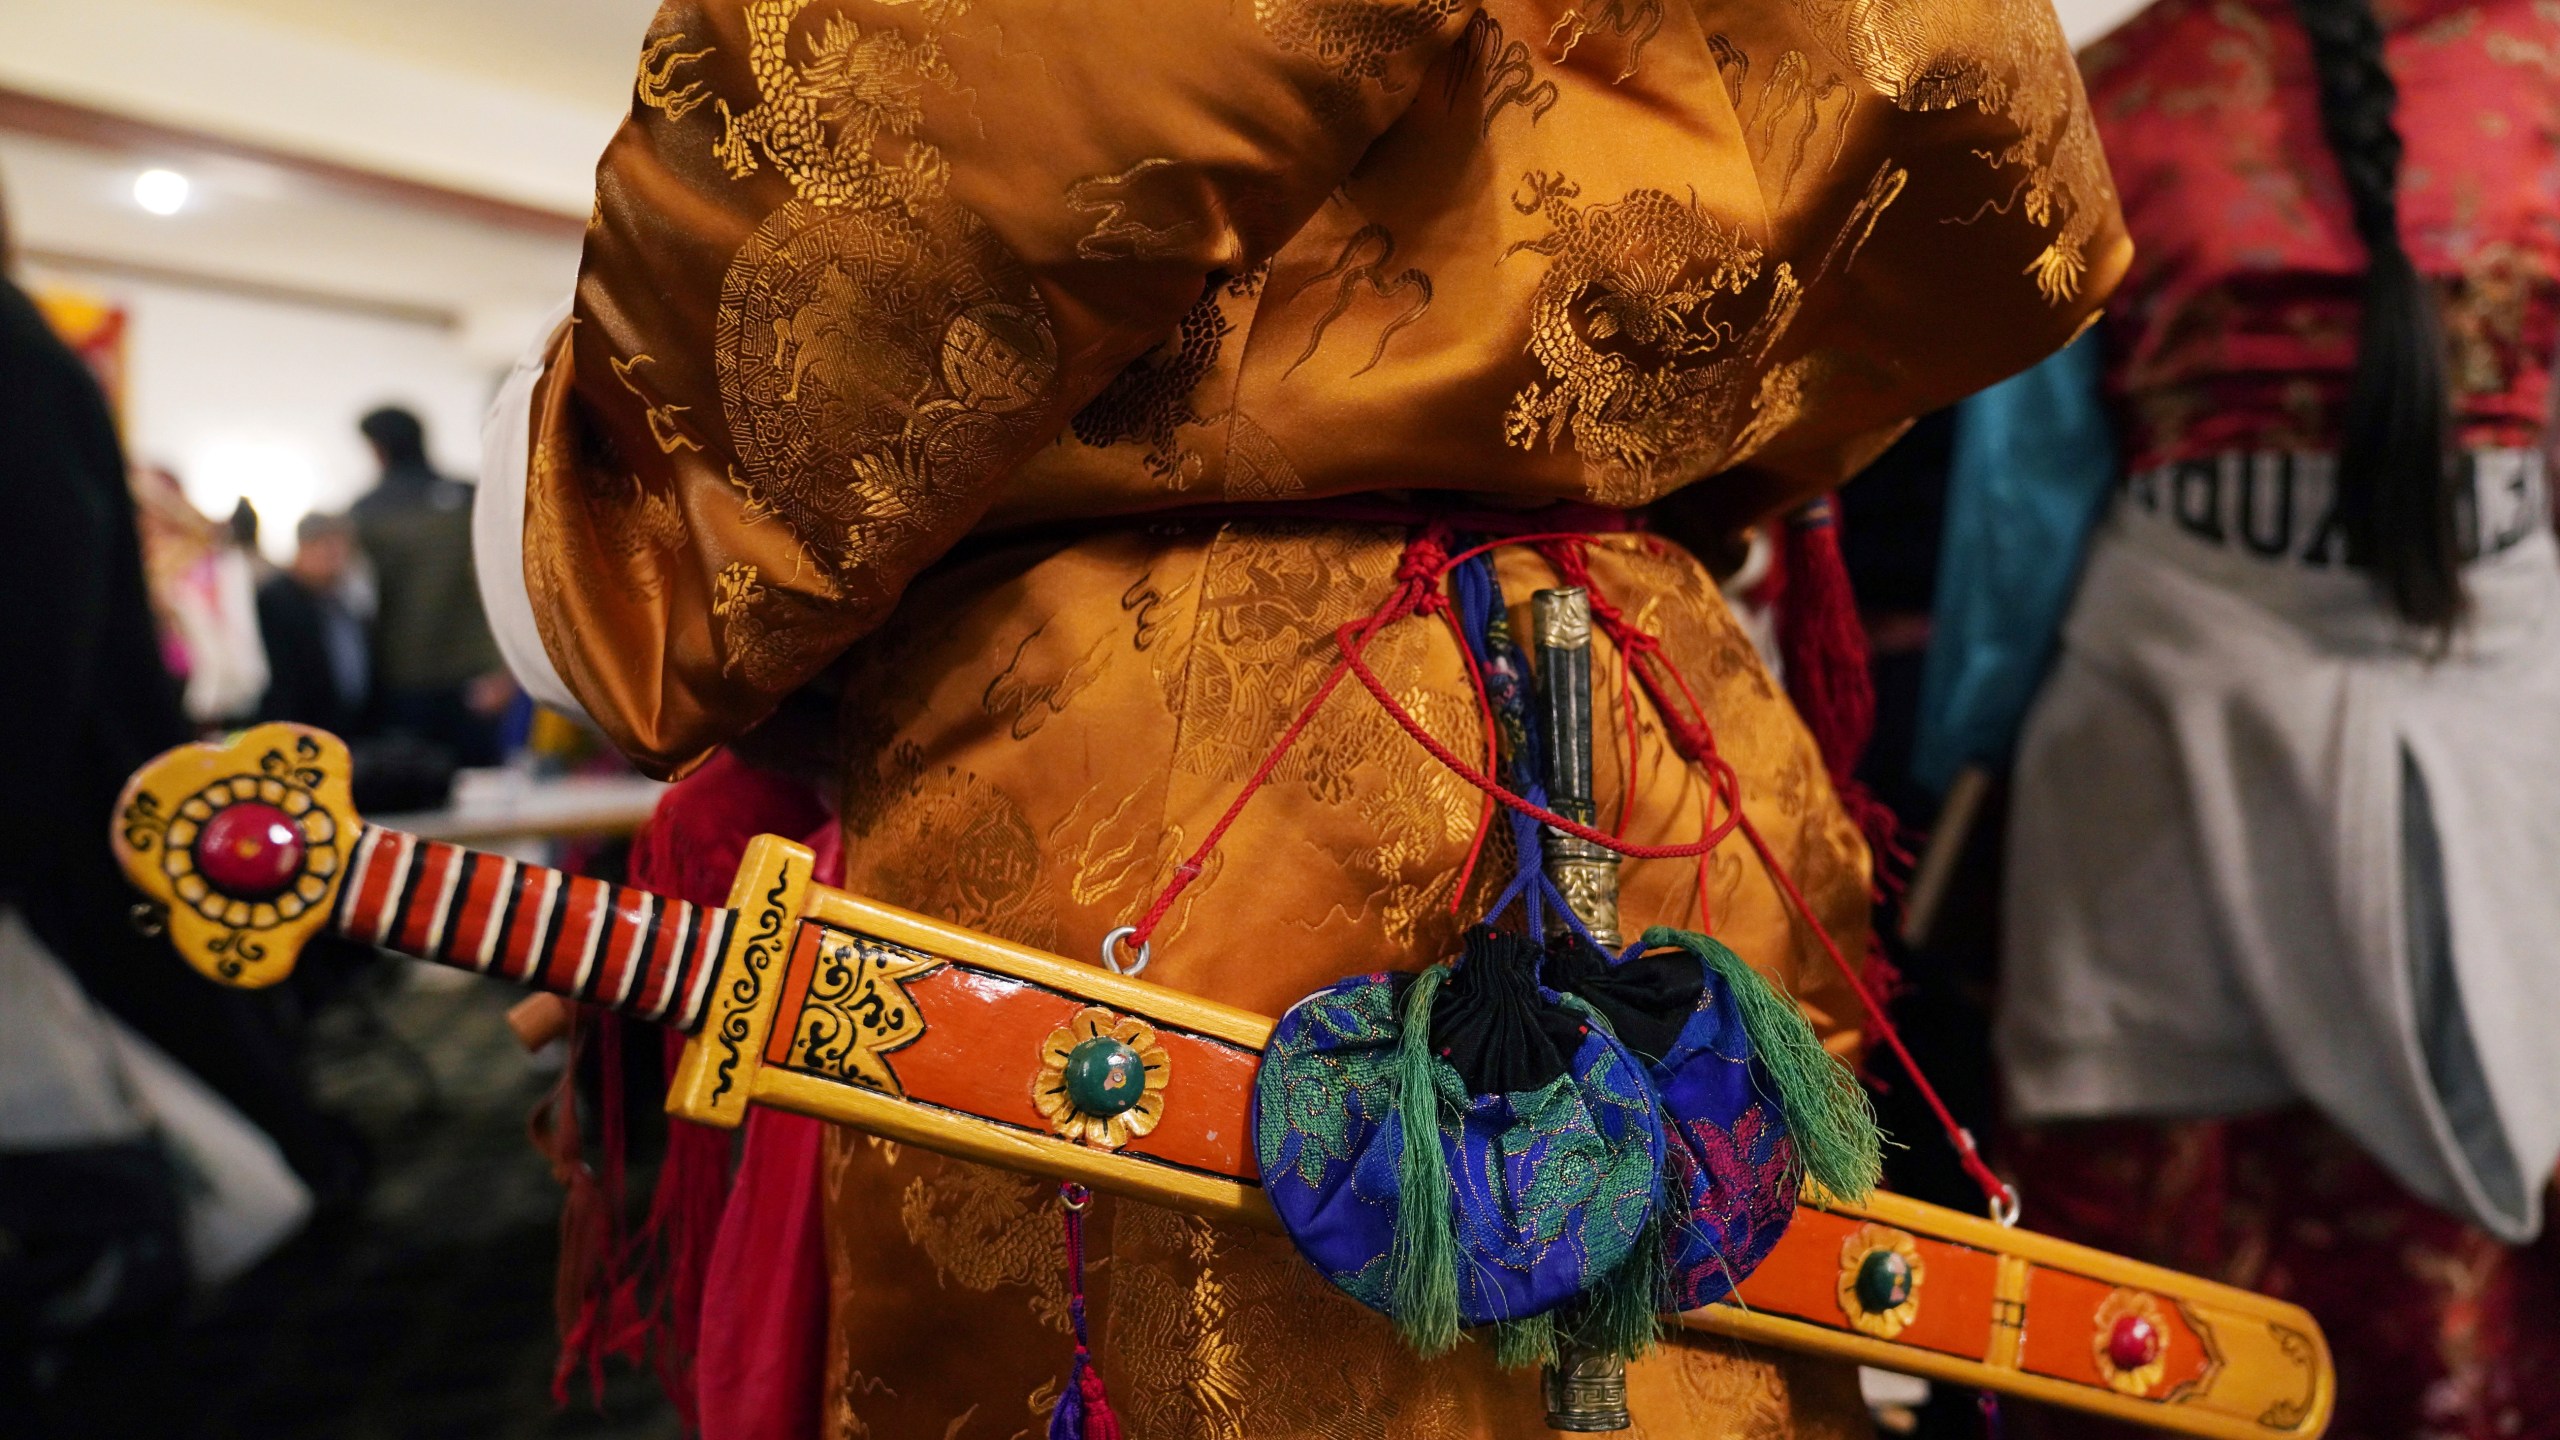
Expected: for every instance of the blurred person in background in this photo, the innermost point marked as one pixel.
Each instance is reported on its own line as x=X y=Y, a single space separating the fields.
x=203 y=587
x=438 y=670
x=320 y=661
x=90 y=1210
x=2277 y=987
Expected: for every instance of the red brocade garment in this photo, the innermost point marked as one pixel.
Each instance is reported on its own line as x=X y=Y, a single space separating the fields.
x=2236 y=327
x=2440 y=1332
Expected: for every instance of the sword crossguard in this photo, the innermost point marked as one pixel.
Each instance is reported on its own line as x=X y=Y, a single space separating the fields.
x=242 y=844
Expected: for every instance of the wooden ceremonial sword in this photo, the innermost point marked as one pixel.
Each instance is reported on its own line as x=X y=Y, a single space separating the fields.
x=820 y=1002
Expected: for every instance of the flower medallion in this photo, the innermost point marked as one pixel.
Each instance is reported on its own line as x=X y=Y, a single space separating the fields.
x=1880 y=1276
x=2130 y=1341
x=1102 y=1078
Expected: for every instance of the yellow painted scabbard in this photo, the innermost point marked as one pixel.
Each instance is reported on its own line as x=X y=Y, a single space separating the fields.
x=942 y=1037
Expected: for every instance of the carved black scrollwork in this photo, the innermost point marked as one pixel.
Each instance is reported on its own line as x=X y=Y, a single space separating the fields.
x=145 y=825
x=302 y=770
x=762 y=951
x=858 y=1010
x=234 y=951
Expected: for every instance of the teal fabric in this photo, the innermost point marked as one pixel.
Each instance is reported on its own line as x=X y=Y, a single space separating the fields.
x=2033 y=464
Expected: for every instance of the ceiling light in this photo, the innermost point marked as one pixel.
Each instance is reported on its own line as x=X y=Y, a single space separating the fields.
x=162 y=192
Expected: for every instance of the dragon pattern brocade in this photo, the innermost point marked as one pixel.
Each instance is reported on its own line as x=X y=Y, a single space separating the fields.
x=973 y=303
x=872 y=329
x=2001 y=57
x=1647 y=384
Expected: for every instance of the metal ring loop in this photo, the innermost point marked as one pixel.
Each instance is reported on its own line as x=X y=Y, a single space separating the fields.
x=2005 y=1207
x=1074 y=1196
x=1111 y=952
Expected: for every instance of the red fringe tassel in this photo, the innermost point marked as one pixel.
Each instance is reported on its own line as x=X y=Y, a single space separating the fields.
x=1823 y=645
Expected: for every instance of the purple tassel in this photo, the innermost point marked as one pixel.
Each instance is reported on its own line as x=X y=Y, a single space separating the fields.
x=1067 y=1421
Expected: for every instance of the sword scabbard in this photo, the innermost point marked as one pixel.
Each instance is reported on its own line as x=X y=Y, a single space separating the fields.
x=830 y=1005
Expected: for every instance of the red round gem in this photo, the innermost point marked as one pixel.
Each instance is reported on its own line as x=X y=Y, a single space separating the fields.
x=2133 y=1343
x=250 y=851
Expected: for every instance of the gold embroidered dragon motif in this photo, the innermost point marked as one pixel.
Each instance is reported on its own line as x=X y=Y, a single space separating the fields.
x=871 y=328
x=1653 y=323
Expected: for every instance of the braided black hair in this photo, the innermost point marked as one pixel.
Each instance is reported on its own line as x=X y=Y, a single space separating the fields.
x=2395 y=471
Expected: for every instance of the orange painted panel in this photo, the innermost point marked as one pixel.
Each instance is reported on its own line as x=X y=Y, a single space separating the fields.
x=795 y=994
x=2062 y=1333
x=1801 y=1280
x=980 y=1054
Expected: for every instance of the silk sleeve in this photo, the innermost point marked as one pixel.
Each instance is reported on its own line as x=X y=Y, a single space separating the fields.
x=1935 y=172
x=850 y=262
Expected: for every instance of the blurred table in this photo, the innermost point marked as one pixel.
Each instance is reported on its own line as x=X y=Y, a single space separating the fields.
x=495 y=807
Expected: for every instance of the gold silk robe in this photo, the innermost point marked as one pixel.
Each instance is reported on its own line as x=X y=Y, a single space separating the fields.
x=899 y=317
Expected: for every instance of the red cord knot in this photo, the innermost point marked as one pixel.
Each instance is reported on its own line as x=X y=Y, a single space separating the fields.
x=1692 y=739
x=1426 y=559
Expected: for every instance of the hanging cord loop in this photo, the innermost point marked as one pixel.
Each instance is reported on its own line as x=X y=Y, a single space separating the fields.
x=1419 y=590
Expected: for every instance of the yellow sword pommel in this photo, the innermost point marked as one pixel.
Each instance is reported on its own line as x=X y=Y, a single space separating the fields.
x=240 y=846
x=249 y=846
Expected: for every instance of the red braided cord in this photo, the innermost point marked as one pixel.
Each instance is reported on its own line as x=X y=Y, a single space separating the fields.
x=1539 y=540
x=1424 y=567
x=1189 y=870
x=1993 y=1187
x=1571 y=561
x=1351 y=656
x=1492 y=756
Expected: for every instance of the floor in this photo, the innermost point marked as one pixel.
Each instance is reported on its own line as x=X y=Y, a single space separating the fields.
x=425 y=1316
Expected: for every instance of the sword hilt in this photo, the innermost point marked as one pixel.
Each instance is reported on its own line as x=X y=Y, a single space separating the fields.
x=1584 y=873
x=251 y=845
x=1586 y=1391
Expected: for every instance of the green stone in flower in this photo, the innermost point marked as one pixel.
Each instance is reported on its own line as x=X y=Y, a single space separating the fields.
x=1884 y=1280
x=1101 y=1078
x=1105 y=1077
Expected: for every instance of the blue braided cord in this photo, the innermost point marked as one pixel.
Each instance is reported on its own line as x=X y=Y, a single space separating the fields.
x=1478 y=596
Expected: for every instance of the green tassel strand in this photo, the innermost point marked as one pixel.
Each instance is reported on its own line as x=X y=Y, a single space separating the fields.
x=1622 y=1315
x=1518 y=1344
x=1828 y=1113
x=1424 y=1260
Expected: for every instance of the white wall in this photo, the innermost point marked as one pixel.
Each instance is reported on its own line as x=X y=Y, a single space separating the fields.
x=285 y=85
x=2086 y=20
x=245 y=396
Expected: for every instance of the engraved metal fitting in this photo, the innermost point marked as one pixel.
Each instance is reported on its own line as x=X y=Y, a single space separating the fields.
x=1586 y=1392
x=1562 y=617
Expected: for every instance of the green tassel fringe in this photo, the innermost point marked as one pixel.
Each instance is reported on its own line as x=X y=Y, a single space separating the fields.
x=1424 y=1261
x=1622 y=1315
x=1828 y=1112
x=1518 y=1344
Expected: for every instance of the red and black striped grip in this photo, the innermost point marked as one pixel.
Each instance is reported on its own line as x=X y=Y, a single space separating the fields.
x=644 y=955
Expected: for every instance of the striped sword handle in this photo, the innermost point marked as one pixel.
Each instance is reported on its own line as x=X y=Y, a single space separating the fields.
x=642 y=954
x=249 y=846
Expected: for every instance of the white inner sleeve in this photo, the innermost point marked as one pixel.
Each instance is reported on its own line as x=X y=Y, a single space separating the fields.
x=497 y=526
